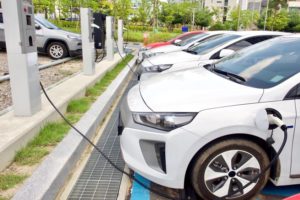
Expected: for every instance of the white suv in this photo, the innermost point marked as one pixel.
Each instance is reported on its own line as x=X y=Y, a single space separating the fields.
x=200 y=125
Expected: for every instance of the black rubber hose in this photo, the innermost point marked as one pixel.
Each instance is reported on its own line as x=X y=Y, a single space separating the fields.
x=103 y=154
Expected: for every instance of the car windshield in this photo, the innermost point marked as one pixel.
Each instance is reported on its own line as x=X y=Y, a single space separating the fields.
x=183 y=37
x=213 y=43
x=42 y=21
x=191 y=39
x=266 y=64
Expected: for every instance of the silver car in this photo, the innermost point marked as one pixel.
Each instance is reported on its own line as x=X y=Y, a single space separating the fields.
x=51 y=40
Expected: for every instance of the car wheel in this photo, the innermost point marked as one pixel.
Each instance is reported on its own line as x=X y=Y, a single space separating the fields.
x=57 y=50
x=227 y=166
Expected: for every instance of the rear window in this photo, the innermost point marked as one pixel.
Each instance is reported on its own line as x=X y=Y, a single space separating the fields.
x=215 y=42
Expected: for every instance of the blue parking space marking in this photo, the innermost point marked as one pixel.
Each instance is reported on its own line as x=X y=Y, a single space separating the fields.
x=138 y=192
x=283 y=191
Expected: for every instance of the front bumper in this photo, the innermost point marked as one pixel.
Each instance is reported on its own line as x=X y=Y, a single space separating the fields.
x=161 y=157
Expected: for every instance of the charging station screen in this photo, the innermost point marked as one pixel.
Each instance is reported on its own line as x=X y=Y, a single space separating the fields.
x=28 y=20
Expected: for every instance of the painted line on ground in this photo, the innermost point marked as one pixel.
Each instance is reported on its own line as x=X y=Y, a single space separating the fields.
x=137 y=191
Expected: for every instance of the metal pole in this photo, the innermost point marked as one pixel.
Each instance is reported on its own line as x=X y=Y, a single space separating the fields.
x=266 y=15
x=22 y=56
x=193 y=19
x=239 y=15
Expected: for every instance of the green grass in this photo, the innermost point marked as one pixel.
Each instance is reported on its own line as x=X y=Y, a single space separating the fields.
x=79 y=105
x=54 y=132
x=8 y=181
x=137 y=36
x=2 y=198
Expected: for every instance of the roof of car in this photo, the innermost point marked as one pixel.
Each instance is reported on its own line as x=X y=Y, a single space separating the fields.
x=254 y=33
x=297 y=35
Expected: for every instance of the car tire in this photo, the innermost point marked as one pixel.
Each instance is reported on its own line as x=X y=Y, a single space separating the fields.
x=57 y=50
x=212 y=178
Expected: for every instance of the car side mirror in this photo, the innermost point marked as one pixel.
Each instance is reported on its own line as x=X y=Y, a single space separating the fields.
x=226 y=52
x=37 y=27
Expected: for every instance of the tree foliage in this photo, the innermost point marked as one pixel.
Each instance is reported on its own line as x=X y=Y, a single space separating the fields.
x=203 y=18
x=242 y=19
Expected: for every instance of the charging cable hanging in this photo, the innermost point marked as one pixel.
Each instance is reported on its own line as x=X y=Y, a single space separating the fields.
x=100 y=151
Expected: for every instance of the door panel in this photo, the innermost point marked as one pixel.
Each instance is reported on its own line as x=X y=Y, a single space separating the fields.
x=295 y=169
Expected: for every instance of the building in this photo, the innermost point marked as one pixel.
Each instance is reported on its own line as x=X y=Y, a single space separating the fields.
x=294 y=5
x=229 y=4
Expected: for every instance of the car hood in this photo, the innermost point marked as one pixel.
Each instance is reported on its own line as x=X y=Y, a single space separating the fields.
x=164 y=49
x=194 y=90
x=188 y=65
x=170 y=58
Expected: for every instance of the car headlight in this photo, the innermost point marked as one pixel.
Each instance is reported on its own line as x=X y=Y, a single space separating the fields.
x=158 y=68
x=73 y=37
x=163 y=121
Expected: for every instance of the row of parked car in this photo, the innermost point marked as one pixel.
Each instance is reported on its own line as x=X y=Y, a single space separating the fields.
x=192 y=118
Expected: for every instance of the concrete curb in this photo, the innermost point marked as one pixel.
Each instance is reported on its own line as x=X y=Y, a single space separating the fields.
x=16 y=132
x=54 y=171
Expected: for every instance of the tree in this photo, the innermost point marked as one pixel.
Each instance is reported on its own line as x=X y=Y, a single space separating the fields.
x=122 y=9
x=243 y=19
x=203 y=18
x=143 y=11
x=294 y=20
x=44 y=6
x=278 y=20
x=166 y=15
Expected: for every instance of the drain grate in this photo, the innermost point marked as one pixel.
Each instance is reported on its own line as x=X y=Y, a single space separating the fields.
x=99 y=180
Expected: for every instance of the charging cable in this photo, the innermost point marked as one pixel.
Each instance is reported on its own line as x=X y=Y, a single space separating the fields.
x=130 y=68
x=273 y=120
x=100 y=151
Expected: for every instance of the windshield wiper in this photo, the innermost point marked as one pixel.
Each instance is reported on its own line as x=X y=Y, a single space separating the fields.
x=231 y=76
x=190 y=51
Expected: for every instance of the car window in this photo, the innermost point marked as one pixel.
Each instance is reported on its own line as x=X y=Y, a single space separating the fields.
x=42 y=21
x=266 y=64
x=294 y=93
x=191 y=39
x=243 y=44
x=184 y=37
x=239 y=45
x=254 y=40
x=209 y=45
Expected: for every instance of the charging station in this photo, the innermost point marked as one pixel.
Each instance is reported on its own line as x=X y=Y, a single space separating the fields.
x=99 y=33
x=19 y=25
x=109 y=38
x=88 y=46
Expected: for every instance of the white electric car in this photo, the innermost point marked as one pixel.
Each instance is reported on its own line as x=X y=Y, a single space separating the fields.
x=205 y=52
x=181 y=45
x=200 y=125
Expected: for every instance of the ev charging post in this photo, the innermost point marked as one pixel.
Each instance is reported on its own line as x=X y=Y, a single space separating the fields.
x=109 y=38
x=20 y=38
x=87 y=36
x=120 y=37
